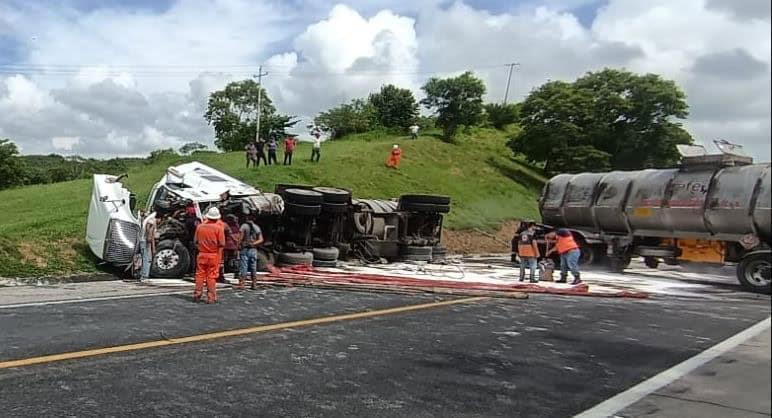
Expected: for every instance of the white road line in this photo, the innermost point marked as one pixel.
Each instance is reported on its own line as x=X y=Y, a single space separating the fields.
x=68 y=301
x=622 y=400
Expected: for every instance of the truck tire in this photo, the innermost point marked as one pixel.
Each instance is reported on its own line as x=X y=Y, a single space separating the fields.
x=416 y=250
x=334 y=208
x=755 y=272
x=670 y=261
x=296 y=259
x=343 y=250
x=618 y=264
x=303 y=197
x=281 y=187
x=171 y=260
x=651 y=262
x=325 y=263
x=424 y=207
x=326 y=254
x=424 y=199
x=587 y=255
x=333 y=195
x=439 y=253
x=294 y=209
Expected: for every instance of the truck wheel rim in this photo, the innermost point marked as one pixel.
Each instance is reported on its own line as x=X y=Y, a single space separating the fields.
x=759 y=273
x=167 y=259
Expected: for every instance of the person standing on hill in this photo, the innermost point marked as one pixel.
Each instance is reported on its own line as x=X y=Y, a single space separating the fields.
x=260 y=153
x=272 y=145
x=289 y=148
x=394 y=157
x=250 y=152
x=316 y=149
x=413 y=131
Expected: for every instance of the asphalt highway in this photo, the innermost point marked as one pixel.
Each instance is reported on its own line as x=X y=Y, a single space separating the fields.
x=546 y=356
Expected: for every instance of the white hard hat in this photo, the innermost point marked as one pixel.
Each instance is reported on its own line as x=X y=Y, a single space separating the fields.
x=213 y=214
x=395 y=146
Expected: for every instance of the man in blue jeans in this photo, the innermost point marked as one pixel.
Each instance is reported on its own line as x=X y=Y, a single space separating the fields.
x=250 y=237
x=569 y=253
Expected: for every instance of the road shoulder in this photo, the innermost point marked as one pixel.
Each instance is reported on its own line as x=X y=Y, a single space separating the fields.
x=735 y=384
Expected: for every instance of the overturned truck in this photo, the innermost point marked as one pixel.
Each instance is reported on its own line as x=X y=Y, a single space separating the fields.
x=711 y=209
x=301 y=224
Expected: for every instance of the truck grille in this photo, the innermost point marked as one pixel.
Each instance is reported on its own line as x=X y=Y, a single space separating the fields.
x=122 y=238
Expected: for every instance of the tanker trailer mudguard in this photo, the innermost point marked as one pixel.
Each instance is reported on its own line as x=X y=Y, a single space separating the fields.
x=712 y=209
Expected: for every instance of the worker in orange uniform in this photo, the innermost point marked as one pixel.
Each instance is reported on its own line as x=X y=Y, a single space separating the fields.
x=569 y=253
x=528 y=251
x=394 y=157
x=209 y=241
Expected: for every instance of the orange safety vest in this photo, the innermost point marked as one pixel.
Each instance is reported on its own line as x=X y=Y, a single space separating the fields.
x=566 y=244
x=525 y=247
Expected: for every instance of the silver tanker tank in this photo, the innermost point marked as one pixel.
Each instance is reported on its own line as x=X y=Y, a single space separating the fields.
x=721 y=203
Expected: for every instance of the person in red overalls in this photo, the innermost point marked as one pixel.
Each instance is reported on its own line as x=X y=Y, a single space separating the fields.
x=394 y=157
x=209 y=241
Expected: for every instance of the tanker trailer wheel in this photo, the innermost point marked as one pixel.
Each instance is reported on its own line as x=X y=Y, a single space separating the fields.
x=755 y=272
x=651 y=262
x=618 y=264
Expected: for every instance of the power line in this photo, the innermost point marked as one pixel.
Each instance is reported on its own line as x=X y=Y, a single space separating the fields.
x=177 y=71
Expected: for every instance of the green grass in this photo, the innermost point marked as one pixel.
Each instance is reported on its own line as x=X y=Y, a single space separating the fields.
x=43 y=226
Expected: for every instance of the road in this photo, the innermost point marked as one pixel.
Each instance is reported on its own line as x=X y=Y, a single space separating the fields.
x=547 y=356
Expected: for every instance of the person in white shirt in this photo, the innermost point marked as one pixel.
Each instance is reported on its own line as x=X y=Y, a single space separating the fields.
x=414 y=131
x=316 y=149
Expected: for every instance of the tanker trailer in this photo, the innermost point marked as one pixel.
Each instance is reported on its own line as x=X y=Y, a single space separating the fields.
x=711 y=209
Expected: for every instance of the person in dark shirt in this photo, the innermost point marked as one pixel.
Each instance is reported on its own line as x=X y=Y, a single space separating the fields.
x=272 y=145
x=260 y=154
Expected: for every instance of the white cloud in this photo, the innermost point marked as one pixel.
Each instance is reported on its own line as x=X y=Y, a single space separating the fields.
x=128 y=82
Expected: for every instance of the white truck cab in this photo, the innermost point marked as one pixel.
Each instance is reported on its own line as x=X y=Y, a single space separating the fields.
x=114 y=230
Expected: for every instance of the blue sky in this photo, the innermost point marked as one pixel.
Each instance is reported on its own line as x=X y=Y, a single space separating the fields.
x=109 y=77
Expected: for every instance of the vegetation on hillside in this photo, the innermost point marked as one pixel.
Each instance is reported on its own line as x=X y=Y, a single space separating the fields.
x=487 y=187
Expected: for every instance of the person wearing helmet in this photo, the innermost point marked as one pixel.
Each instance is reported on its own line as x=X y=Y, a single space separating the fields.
x=569 y=253
x=209 y=241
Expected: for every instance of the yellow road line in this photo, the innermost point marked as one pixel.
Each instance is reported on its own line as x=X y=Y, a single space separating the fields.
x=224 y=334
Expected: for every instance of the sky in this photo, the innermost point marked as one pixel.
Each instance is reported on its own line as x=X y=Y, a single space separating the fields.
x=107 y=78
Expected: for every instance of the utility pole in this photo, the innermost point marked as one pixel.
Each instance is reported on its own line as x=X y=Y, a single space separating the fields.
x=260 y=75
x=509 y=79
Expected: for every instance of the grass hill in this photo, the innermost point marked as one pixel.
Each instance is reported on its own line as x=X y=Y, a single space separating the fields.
x=42 y=228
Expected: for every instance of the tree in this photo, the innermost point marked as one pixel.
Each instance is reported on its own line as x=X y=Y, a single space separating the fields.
x=11 y=166
x=394 y=107
x=233 y=113
x=633 y=119
x=457 y=101
x=192 y=147
x=501 y=115
x=354 y=117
